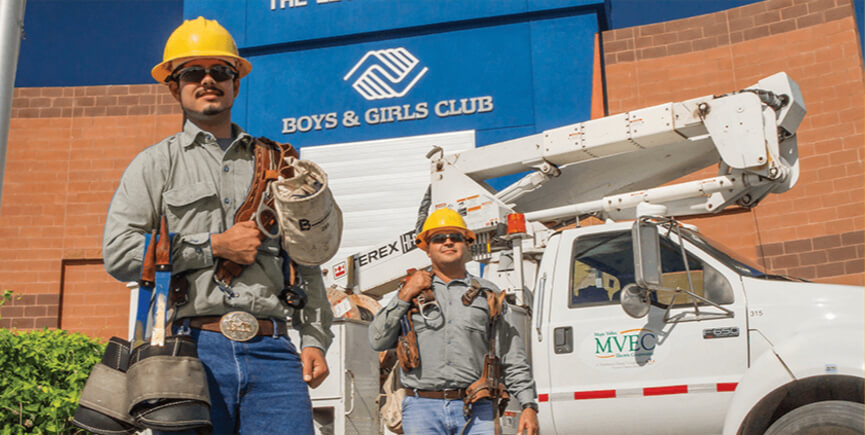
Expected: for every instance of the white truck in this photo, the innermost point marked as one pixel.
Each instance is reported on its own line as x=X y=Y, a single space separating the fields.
x=638 y=324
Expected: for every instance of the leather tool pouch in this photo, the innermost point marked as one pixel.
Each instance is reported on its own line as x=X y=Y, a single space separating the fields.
x=167 y=386
x=406 y=349
x=103 y=406
x=488 y=386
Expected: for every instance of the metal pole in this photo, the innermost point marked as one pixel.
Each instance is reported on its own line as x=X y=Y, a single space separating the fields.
x=11 y=31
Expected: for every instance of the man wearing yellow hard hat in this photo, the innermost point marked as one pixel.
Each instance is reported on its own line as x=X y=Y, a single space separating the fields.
x=198 y=179
x=464 y=335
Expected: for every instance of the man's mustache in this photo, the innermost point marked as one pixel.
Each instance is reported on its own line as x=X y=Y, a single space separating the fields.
x=206 y=89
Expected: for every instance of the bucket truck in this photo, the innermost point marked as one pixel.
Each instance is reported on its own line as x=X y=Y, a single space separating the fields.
x=640 y=324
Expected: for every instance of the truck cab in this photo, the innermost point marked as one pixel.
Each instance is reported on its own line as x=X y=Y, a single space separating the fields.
x=695 y=362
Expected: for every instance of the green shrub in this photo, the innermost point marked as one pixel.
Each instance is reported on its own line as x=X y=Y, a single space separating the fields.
x=41 y=377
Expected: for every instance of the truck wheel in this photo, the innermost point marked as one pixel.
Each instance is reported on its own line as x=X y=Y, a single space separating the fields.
x=833 y=417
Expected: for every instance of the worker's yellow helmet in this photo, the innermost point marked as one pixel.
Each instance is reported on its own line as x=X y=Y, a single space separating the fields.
x=199 y=38
x=441 y=220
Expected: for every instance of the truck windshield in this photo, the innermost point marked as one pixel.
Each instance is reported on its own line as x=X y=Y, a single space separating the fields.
x=721 y=253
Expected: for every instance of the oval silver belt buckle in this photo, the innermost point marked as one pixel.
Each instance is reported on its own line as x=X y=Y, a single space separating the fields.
x=238 y=326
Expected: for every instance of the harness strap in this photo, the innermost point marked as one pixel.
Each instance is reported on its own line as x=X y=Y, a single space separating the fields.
x=407 y=349
x=489 y=385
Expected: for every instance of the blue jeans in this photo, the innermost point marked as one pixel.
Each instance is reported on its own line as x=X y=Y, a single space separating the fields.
x=444 y=417
x=256 y=387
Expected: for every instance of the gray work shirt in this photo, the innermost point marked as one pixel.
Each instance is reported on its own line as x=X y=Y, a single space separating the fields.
x=199 y=187
x=452 y=347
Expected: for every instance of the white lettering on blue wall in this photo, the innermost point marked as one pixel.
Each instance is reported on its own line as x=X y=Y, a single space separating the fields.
x=296 y=3
x=388 y=114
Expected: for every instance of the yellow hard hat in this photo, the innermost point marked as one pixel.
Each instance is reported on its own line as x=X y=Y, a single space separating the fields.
x=199 y=38
x=439 y=221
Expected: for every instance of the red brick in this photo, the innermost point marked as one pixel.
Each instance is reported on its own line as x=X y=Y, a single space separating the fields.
x=118 y=90
x=767 y=17
x=797 y=246
x=838 y=13
x=85 y=101
x=794 y=11
x=853 y=238
x=842 y=253
x=52 y=311
x=140 y=110
x=665 y=38
x=810 y=20
x=24 y=300
x=809 y=258
x=52 y=92
x=616 y=46
x=46 y=322
x=826 y=242
x=820 y=5
x=807 y=272
x=8 y=311
x=772 y=249
x=34 y=311
x=106 y=100
x=778 y=4
x=40 y=102
x=653 y=52
x=785 y=261
x=95 y=111
x=741 y=23
x=117 y=111
x=96 y=90
x=23 y=323
x=756 y=32
x=705 y=43
x=20 y=102
x=49 y=112
x=831 y=269
x=627 y=56
x=30 y=92
x=651 y=29
x=680 y=48
x=782 y=27
x=625 y=33
x=854 y=266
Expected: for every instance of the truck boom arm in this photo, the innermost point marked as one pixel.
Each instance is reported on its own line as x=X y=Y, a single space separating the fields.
x=614 y=168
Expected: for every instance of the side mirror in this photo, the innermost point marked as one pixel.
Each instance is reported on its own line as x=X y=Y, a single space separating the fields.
x=635 y=301
x=647 y=254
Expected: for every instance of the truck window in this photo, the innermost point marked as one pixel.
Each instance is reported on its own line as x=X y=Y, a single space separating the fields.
x=604 y=263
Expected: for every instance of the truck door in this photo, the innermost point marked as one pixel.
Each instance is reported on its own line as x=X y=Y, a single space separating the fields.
x=617 y=374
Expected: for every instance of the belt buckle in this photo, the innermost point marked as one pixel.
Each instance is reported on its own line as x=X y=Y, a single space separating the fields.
x=238 y=326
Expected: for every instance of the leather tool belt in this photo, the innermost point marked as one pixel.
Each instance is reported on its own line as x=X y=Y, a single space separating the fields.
x=167 y=386
x=104 y=401
x=239 y=325
x=444 y=394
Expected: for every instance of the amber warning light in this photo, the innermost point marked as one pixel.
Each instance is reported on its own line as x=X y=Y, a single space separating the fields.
x=516 y=223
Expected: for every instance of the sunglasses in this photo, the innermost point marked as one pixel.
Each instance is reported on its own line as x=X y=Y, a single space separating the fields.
x=441 y=237
x=196 y=74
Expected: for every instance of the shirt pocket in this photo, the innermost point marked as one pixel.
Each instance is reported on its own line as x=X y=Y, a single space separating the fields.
x=476 y=316
x=192 y=208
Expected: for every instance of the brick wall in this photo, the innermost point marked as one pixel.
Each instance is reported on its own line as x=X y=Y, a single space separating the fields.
x=66 y=151
x=815 y=230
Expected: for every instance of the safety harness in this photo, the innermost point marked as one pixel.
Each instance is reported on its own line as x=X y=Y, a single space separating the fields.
x=489 y=386
x=270 y=164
